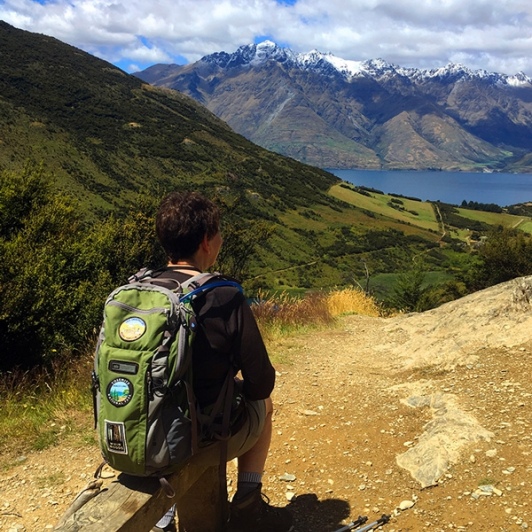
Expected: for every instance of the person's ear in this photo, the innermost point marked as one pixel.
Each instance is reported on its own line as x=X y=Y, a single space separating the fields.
x=205 y=244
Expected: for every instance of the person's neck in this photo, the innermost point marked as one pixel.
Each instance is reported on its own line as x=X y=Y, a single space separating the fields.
x=184 y=265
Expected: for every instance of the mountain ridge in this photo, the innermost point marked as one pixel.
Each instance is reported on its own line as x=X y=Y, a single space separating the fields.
x=335 y=113
x=267 y=50
x=110 y=140
x=119 y=133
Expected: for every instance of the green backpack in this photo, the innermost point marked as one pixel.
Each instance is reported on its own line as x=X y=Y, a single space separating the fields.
x=144 y=405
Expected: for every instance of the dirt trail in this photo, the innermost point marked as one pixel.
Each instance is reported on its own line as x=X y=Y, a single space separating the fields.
x=445 y=393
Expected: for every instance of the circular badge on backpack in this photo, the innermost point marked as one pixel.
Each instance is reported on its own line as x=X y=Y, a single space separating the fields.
x=120 y=391
x=132 y=329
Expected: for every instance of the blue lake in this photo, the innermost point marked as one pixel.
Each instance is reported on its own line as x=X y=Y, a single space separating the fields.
x=448 y=187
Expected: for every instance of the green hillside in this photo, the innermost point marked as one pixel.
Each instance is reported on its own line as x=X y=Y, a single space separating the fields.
x=105 y=133
x=86 y=153
x=106 y=137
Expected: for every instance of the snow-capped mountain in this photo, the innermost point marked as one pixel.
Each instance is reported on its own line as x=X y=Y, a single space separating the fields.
x=316 y=61
x=333 y=112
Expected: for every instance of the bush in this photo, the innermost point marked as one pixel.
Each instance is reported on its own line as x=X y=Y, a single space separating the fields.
x=57 y=269
x=409 y=294
x=504 y=255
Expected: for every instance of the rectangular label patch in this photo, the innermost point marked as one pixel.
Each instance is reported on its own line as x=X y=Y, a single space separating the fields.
x=127 y=368
x=115 y=436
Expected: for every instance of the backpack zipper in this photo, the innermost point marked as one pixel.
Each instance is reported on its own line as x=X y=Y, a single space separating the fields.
x=139 y=310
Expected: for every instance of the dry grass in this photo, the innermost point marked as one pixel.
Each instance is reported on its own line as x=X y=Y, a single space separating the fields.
x=315 y=308
x=285 y=311
x=281 y=315
x=352 y=301
x=41 y=407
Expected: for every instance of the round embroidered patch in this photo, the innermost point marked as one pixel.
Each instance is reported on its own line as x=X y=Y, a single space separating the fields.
x=132 y=329
x=120 y=392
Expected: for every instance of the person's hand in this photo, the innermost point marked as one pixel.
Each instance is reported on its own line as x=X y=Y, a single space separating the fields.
x=239 y=384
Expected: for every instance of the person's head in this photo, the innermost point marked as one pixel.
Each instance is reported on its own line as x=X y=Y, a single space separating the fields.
x=185 y=221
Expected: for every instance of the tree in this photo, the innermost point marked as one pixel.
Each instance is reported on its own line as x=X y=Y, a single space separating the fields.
x=409 y=294
x=242 y=237
x=38 y=233
x=505 y=254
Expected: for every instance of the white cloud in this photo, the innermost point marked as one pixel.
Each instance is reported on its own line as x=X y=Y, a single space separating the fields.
x=490 y=34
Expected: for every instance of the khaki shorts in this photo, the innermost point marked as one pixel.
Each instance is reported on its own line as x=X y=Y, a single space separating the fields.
x=245 y=438
x=248 y=435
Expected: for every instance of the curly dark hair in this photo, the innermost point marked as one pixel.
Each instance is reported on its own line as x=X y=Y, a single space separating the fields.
x=183 y=220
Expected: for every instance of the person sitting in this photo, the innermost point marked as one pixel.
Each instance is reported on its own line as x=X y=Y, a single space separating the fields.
x=188 y=228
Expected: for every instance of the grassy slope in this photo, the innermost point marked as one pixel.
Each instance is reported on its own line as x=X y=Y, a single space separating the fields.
x=507 y=220
x=106 y=136
x=379 y=204
x=424 y=224
x=425 y=217
x=304 y=236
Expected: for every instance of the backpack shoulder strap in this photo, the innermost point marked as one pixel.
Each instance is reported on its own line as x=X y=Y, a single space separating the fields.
x=192 y=287
x=202 y=282
x=198 y=280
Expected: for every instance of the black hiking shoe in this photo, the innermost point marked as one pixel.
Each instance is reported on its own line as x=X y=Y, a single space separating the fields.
x=253 y=513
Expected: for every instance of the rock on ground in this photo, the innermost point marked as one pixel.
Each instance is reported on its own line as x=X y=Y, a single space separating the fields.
x=426 y=417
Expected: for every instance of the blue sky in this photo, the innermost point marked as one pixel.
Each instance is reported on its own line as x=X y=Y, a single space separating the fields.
x=495 y=35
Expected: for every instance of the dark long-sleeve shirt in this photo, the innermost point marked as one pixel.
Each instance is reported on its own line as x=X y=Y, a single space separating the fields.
x=227 y=333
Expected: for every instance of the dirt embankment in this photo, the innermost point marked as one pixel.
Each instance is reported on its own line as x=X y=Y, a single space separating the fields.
x=426 y=417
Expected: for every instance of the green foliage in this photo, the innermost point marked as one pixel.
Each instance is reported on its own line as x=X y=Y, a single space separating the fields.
x=451 y=218
x=346 y=242
x=241 y=241
x=242 y=234
x=19 y=196
x=409 y=294
x=418 y=290
x=504 y=254
x=57 y=270
x=476 y=206
x=123 y=243
x=445 y=292
x=35 y=248
x=524 y=209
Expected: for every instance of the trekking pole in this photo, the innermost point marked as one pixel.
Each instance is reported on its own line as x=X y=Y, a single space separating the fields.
x=381 y=521
x=360 y=521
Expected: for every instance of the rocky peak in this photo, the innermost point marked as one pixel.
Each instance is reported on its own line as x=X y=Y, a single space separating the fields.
x=369 y=115
x=250 y=54
x=327 y=64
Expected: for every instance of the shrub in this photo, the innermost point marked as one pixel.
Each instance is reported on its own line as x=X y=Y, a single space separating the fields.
x=285 y=311
x=57 y=269
x=409 y=294
x=505 y=254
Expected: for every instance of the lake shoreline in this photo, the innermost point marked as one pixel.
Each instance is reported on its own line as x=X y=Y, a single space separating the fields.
x=498 y=188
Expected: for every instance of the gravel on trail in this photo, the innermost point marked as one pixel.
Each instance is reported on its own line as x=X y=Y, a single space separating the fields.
x=424 y=417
